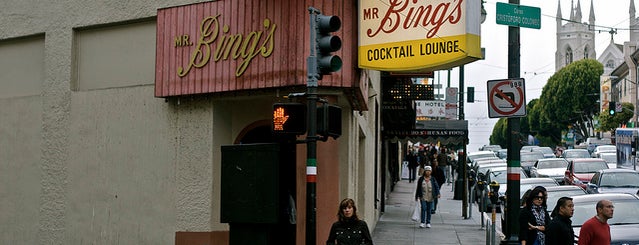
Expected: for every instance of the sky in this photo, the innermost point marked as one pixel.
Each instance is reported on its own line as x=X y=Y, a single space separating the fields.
x=537 y=61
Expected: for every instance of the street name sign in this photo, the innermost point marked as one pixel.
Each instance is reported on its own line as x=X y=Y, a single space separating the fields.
x=518 y=15
x=506 y=98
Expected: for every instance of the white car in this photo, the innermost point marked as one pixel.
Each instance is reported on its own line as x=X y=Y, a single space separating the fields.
x=603 y=148
x=554 y=168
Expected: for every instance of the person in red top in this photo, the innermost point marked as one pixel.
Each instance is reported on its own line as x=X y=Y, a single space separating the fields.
x=596 y=230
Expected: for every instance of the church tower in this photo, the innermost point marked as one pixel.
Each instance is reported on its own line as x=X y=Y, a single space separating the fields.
x=575 y=40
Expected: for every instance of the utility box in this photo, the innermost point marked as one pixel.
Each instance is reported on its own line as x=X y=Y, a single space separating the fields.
x=250 y=184
x=258 y=193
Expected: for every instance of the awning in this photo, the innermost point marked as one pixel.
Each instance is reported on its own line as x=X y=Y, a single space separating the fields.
x=446 y=132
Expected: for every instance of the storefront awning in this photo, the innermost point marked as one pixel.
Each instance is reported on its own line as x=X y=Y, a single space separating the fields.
x=446 y=132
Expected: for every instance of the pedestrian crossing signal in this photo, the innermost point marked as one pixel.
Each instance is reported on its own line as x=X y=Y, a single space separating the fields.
x=289 y=118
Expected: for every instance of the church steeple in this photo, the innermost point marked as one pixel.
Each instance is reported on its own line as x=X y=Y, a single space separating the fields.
x=578 y=11
x=558 y=15
x=632 y=13
x=634 y=35
x=572 y=10
x=591 y=17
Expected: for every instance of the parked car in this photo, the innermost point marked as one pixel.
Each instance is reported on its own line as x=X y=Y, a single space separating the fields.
x=575 y=153
x=547 y=151
x=624 y=223
x=528 y=159
x=499 y=174
x=610 y=158
x=603 y=148
x=580 y=170
x=472 y=156
x=550 y=168
x=614 y=180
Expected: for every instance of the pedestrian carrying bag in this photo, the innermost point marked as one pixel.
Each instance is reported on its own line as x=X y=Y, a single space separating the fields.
x=416 y=212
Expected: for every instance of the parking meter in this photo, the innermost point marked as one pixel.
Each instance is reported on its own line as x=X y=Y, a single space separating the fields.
x=494 y=192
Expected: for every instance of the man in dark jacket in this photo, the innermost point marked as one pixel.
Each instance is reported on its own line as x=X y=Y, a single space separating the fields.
x=559 y=231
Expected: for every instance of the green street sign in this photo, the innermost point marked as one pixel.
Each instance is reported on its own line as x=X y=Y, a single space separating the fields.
x=518 y=15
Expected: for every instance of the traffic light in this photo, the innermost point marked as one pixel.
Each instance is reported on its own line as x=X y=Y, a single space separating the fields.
x=471 y=95
x=327 y=43
x=329 y=120
x=612 y=106
x=289 y=118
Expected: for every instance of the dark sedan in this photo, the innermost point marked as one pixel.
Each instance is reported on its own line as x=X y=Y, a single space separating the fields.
x=624 y=223
x=614 y=180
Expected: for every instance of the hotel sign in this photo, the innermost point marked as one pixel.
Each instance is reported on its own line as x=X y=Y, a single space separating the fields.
x=418 y=35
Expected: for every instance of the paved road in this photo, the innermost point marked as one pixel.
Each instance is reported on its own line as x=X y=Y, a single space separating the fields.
x=448 y=224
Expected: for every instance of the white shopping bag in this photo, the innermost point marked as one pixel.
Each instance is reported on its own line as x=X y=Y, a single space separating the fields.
x=417 y=211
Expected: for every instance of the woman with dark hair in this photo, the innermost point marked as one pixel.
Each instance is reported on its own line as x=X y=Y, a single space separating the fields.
x=349 y=229
x=533 y=218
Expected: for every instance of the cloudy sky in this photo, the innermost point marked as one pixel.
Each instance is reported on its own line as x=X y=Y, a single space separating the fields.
x=537 y=61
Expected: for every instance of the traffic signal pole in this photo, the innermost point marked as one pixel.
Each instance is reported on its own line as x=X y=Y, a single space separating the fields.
x=311 y=138
x=320 y=62
x=514 y=146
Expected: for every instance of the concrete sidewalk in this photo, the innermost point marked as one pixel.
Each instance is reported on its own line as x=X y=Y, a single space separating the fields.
x=448 y=225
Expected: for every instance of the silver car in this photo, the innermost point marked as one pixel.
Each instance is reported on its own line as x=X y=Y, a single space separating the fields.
x=550 y=168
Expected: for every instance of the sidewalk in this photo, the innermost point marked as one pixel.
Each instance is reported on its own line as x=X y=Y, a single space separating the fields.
x=448 y=224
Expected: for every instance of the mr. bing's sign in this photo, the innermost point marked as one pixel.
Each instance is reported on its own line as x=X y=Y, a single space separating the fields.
x=418 y=35
x=209 y=47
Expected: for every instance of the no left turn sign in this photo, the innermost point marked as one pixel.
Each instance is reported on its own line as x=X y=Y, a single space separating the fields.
x=506 y=98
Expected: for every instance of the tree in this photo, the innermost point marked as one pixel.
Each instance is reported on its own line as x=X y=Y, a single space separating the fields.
x=547 y=132
x=498 y=136
x=569 y=97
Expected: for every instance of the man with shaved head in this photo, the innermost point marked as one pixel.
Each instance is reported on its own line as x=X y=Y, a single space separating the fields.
x=596 y=230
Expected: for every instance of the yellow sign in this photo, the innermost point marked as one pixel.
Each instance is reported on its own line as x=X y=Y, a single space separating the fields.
x=418 y=35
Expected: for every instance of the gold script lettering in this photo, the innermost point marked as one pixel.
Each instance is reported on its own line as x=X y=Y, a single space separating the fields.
x=236 y=46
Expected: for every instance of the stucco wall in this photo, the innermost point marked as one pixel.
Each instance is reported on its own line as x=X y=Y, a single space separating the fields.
x=20 y=137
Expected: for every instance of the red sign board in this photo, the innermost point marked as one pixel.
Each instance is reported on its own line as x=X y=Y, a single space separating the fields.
x=223 y=46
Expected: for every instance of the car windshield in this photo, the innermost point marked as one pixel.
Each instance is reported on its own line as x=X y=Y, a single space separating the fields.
x=625 y=212
x=590 y=166
x=552 y=164
x=576 y=154
x=500 y=176
x=622 y=179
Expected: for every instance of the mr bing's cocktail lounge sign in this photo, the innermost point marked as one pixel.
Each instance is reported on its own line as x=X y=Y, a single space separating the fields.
x=418 y=35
